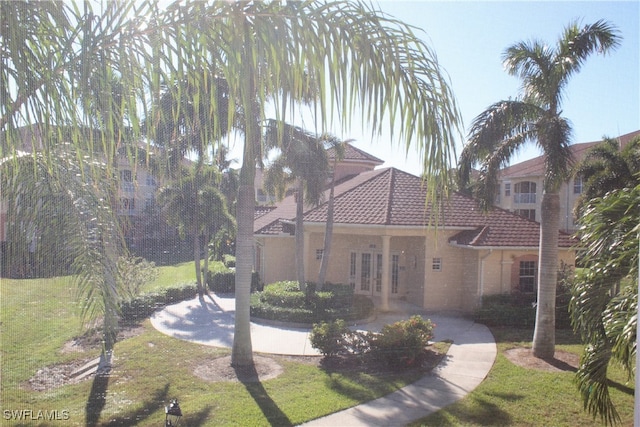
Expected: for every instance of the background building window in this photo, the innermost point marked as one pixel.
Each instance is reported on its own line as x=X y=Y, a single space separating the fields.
x=507 y=189
x=577 y=185
x=436 y=264
x=524 y=192
x=527 y=213
x=319 y=253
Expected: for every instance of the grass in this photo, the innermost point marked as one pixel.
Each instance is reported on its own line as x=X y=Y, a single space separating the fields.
x=38 y=316
x=512 y=395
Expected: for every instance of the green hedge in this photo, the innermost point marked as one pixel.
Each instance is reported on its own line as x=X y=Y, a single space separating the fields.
x=225 y=283
x=144 y=305
x=519 y=311
x=284 y=301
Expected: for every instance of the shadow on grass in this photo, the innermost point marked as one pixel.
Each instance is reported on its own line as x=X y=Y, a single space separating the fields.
x=272 y=412
x=97 y=400
x=621 y=387
x=149 y=407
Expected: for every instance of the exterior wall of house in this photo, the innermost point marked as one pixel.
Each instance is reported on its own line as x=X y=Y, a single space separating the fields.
x=276 y=258
x=408 y=249
x=445 y=267
x=431 y=272
x=502 y=269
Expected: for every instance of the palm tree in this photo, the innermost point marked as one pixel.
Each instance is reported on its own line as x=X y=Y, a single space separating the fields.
x=338 y=148
x=604 y=302
x=355 y=58
x=303 y=160
x=66 y=214
x=196 y=206
x=503 y=128
x=607 y=167
x=191 y=115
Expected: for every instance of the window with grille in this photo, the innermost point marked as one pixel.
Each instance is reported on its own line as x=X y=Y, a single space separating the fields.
x=528 y=276
x=395 y=273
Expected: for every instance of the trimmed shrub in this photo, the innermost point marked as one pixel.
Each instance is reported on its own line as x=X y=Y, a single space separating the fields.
x=285 y=302
x=518 y=310
x=225 y=282
x=402 y=344
x=328 y=338
x=144 y=305
x=399 y=345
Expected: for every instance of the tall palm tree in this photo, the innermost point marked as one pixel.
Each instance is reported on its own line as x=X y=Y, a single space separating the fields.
x=535 y=117
x=303 y=160
x=191 y=116
x=358 y=61
x=338 y=148
x=607 y=167
x=604 y=302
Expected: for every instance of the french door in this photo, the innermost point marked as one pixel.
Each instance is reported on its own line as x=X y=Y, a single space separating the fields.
x=365 y=272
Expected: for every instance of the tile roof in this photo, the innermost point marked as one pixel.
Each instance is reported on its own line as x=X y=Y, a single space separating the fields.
x=535 y=166
x=391 y=197
x=352 y=153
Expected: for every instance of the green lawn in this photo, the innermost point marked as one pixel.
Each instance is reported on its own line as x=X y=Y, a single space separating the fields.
x=38 y=316
x=516 y=396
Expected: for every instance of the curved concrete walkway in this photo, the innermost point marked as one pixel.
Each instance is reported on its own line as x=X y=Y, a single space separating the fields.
x=210 y=321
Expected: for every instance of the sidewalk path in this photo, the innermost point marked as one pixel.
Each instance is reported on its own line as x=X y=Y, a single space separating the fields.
x=210 y=321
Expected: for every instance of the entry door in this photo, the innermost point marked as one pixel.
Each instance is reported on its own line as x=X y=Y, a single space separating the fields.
x=366 y=272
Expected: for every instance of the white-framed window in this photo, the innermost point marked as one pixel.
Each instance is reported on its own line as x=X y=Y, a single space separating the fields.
x=577 y=184
x=395 y=273
x=507 y=189
x=527 y=276
x=353 y=269
x=378 y=277
x=436 y=264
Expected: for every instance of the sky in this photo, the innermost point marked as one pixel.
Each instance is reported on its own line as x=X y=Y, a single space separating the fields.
x=469 y=38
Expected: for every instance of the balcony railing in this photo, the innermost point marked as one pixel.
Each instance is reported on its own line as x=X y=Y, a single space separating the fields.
x=524 y=198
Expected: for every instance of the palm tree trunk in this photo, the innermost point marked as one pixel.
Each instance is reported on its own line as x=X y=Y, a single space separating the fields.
x=196 y=261
x=544 y=334
x=205 y=264
x=328 y=234
x=300 y=235
x=242 y=352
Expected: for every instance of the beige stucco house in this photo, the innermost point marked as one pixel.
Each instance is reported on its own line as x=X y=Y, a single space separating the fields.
x=387 y=245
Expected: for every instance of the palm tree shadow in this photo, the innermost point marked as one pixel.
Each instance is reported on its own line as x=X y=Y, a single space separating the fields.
x=155 y=403
x=248 y=376
x=97 y=399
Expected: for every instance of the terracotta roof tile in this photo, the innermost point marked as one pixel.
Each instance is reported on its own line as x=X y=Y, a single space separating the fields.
x=395 y=198
x=535 y=166
x=352 y=153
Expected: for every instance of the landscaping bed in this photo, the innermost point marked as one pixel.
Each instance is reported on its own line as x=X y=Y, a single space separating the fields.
x=285 y=302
